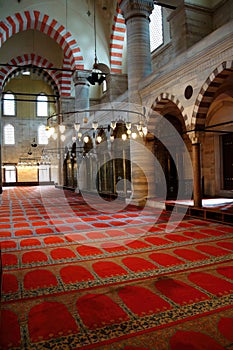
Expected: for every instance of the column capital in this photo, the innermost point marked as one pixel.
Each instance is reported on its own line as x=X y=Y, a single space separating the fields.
x=80 y=78
x=136 y=8
x=195 y=137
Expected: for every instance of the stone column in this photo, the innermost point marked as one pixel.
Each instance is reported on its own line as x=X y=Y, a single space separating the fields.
x=1 y=144
x=136 y=14
x=196 y=157
x=82 y=87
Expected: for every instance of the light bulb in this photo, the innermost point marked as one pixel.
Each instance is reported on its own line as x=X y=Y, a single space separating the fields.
x=77 y=126
x=113 y=124
x=86 y=139
x=144 y=130
x=124 y=137
x=99 y=139
x=128 y=125
x=95 y=125
x=62 y=128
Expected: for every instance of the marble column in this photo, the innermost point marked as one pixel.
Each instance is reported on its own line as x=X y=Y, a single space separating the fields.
x=196 y=158
x=1 y=144
x=136 y=14
x=82 y=88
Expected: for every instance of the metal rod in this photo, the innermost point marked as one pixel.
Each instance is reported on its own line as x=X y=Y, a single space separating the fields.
x=25 y=100
x=45 y=68
x=97 y=110
x=165 y=5
x=26 y=94
x=220 y=124
x=219 y=131
x=30 y=66
x=208 y=127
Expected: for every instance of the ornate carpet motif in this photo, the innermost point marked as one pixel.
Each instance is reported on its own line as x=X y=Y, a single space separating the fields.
x=78 y=278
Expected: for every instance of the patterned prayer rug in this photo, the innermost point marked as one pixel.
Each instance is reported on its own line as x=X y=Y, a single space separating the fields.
x=75 y=277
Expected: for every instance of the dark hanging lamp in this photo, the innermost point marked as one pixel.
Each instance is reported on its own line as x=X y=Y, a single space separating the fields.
x=96 y=76
x=34 y=144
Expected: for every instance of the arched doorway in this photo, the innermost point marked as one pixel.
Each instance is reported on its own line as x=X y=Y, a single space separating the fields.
x=172 y=148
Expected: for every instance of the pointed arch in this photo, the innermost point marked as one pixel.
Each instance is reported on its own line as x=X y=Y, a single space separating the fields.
x=160 y=102
x=207 y=93
x=38 y=21
x=51 y=77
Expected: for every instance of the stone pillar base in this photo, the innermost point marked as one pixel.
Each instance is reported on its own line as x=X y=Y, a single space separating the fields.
x=139 y=202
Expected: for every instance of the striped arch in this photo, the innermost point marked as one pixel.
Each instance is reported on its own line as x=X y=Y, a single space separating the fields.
x=43 y=23
x=51 y=76
x=66 y=78
x=207 y=92
x=117 y=42
x=162 y=100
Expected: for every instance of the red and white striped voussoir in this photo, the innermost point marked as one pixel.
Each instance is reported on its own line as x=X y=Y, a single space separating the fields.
x=28 y=59
x=116 y=43
x=43 y=23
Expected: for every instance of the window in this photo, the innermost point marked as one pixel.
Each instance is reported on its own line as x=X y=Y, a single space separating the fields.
x=44 y=173
x=9 y=134
x=42 y=106
x=156 y=28
x=42 y=135
x=10 y=173
x=9 y=104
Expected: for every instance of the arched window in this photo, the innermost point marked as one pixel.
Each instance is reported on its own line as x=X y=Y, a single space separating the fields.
x=42 y=106
x=156 y=28
x=9 y=104
x=42 y=135
x=9 y=134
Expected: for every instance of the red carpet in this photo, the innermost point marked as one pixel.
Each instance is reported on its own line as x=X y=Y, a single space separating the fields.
x=76 y=278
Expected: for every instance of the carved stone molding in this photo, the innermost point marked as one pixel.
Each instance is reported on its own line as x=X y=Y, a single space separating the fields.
x=136 y=8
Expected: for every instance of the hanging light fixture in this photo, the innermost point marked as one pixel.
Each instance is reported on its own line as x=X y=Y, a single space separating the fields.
x=62 y=128
x=124 y=137
x=144 y=130
x=98 y=138
x=34 y=144
x=95 y=125
x=113 y=124
x=128 y=125
x=86 y=139
x=77 y=126
x=96 y=76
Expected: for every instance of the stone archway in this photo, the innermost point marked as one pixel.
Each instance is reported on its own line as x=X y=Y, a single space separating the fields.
x=170 y=151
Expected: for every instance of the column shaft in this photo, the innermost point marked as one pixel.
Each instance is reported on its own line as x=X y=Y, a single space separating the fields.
x=197 y=192
x=136 y=14
x=81 y=102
